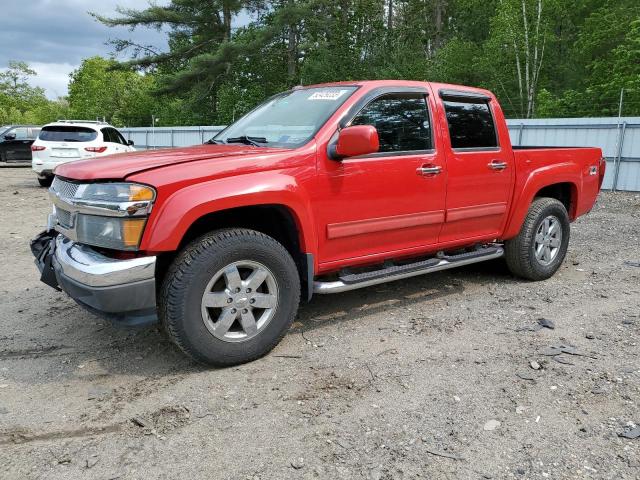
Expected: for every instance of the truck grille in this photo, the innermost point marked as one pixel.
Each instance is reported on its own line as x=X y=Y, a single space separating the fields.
x=64 y=218
x=64 y=188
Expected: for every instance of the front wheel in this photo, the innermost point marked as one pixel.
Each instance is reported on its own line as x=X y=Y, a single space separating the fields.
x=230 y=297
x=540 y=247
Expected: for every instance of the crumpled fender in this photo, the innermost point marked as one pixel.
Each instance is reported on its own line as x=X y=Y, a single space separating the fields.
x=530 y=184
x=171 y=220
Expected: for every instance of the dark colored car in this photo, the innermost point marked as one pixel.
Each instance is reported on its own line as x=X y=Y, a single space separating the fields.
x=15 y=142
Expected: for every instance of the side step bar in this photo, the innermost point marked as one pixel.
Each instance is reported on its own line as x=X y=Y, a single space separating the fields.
x=397 y=272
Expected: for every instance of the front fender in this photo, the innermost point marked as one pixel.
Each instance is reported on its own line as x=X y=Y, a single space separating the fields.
x=536 y=180
x=171 y=220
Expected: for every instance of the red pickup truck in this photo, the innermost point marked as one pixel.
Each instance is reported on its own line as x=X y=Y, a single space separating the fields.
x=321 y=189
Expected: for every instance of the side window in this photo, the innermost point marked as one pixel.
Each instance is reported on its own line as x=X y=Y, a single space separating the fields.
x=402 y=122
x=470 y=125
x=120 y=138
x=21 y=133
x=34 y=133
x=106 y=133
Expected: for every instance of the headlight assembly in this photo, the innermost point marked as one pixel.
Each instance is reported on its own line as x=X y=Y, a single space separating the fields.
x=110 y=232
x=104 y=214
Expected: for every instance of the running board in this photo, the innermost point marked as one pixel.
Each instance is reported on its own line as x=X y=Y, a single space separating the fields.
x=397 y=272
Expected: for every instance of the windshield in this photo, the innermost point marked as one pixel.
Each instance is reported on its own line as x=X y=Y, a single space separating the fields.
x=287 y=120
x=59 y=133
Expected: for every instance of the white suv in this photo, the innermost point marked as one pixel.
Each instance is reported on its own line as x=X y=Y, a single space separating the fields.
x=68 y=140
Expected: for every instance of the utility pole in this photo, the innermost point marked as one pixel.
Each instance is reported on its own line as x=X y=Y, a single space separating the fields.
x=620 y=107
x=621 y=129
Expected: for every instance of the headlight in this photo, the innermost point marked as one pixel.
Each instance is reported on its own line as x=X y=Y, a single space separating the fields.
x=109 y=215
x=110 y=232
x=116 y=192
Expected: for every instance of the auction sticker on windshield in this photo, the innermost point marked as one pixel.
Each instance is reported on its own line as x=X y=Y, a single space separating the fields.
x=328 y=95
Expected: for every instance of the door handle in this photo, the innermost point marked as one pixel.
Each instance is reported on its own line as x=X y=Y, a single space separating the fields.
x=497 y=165
x=429 y=170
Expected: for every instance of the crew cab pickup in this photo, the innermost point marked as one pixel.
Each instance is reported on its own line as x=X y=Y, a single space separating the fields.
x=319 y=190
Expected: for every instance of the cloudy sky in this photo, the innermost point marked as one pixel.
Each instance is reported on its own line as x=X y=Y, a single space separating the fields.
x=53 y=36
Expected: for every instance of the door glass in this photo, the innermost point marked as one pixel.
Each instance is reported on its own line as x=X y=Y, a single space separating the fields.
x=20 y=133
x=402 y=122
x=470 y=125
x=119 y=137
x=106 y=133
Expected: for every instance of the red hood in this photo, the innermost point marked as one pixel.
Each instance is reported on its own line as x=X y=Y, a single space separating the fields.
x=118 y=167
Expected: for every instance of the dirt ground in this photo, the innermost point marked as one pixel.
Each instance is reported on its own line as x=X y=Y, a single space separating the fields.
x=429 y=378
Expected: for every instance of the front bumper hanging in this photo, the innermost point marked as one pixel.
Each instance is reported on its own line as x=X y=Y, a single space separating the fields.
x=123 y=291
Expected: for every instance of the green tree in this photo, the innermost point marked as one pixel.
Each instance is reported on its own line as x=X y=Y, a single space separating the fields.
x=22 y=103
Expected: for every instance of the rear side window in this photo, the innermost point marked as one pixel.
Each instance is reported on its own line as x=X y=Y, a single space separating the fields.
x=402 y=122
x=470 y=125
x=106 y=133
x=64 y=133
x=20 y=133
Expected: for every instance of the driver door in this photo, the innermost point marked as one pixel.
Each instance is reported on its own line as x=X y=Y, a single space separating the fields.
x=384 y=204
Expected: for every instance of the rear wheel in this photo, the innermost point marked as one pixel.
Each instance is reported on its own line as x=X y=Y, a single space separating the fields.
x=540 y=247
x=45 y=182
x=230 y=297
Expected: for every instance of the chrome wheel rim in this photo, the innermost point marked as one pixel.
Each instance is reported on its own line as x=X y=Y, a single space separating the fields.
x=239 y=301
x=548 y=240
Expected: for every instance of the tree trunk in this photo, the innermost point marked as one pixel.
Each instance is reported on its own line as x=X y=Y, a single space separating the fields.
x=226 y=19
x=390 y=16
x=439 y=7
x=292 y=52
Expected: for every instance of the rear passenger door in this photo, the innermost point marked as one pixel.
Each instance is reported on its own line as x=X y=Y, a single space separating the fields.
x=480 y=169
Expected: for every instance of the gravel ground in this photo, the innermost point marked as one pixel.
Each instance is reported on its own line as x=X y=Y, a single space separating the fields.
x=447 y=376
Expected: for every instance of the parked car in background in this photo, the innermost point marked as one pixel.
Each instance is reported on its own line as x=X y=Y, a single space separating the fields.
x=68 y=140
x=16 y=141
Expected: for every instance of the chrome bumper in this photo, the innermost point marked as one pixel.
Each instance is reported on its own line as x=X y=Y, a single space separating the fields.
x=123 y=291
x=86 y=266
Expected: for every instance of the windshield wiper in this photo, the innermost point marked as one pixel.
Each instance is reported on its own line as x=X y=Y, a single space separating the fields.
x=213 y=142
x=255 y=141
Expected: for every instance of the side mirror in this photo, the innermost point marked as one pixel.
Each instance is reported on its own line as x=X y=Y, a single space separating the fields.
x=9 y=136
x=130 y=143
x=354 y=141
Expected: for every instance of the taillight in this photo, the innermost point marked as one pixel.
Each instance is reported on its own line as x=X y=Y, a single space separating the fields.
x=95 y=149
x=602 y=170
x=37 y=148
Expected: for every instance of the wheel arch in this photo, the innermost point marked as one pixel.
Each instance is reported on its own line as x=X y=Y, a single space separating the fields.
x=563 y=185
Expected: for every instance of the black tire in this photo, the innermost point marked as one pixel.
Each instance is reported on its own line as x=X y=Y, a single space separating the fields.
x=520 y=251
x=185 y=283
x=45 y=182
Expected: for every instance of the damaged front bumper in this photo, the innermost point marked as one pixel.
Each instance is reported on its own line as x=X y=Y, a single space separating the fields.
x=122 y=290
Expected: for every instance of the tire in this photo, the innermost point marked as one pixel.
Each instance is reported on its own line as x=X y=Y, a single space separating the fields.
x=520 y=252
x=199 y=329
x=45 y=182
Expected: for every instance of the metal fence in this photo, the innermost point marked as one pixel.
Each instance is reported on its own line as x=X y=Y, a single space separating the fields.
x=618 y=139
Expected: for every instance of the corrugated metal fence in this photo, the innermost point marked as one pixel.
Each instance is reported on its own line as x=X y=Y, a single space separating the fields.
x=619 y=140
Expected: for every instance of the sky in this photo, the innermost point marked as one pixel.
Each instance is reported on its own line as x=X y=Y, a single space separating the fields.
x=53 y=36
